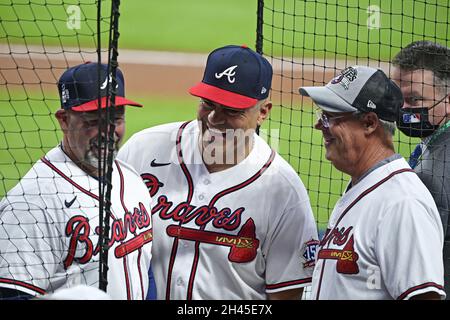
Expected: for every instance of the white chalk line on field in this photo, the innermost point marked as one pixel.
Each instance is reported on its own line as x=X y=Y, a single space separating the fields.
x=166 y=58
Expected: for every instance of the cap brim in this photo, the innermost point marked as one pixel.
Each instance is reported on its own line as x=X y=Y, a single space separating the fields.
x=93 y=104
x=326 y=99
x=223 y=97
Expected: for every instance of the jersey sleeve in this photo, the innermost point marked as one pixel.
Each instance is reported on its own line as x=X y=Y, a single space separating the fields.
x=291 y=254
x=409 y=250
x=30 y=248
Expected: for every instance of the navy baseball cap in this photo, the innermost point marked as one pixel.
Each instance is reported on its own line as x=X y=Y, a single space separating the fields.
x=359 y=88
x=78 y=88
x=235 y=76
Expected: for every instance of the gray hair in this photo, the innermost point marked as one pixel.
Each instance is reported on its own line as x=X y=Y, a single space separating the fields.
x=388 y=126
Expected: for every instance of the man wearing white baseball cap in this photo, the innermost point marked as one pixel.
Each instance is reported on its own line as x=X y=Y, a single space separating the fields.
x=384 y=238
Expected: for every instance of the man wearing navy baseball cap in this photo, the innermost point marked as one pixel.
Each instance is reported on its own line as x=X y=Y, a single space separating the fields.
x=386 y=210
x=78 y=88
x=236 y=77
x=52 y=214
x=232 y=218
x=78 y=91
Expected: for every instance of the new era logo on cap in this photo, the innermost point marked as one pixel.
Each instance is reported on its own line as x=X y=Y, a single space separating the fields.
x=78 y=88
x=359 y=88
x=371 y=105
x=235 y=76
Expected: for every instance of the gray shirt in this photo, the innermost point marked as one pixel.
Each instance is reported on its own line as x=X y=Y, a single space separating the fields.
x=434 y=171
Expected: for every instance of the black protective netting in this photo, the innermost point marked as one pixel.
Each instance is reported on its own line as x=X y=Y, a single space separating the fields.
x=308 y=42
x=39 y=40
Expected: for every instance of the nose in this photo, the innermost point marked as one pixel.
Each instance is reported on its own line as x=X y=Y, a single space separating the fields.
x=216 y=117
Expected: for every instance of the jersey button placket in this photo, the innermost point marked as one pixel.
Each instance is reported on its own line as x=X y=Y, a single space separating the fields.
x=180 y=282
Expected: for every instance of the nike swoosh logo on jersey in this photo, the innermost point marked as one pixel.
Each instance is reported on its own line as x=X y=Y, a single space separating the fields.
x=156 y=164
x=69 y=204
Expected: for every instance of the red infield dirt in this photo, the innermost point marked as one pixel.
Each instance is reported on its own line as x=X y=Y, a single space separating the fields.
x=148 y=73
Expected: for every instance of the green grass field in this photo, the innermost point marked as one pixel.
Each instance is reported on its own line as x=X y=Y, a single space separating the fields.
x=331 y=28
x=352 y=28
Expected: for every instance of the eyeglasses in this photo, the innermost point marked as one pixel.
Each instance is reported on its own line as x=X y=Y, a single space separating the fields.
x=327 y=120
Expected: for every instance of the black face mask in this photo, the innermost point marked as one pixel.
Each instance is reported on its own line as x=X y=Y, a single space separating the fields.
x=414 y=121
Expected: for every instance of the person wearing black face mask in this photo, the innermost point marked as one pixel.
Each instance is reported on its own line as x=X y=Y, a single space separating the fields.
x=422 y=70
x=415 y=121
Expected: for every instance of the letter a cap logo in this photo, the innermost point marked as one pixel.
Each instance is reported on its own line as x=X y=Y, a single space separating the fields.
x=79 y=86
x=229 y=72
x=235 y=76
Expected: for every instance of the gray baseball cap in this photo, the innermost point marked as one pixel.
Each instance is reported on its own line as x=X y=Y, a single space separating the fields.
x=358 y=88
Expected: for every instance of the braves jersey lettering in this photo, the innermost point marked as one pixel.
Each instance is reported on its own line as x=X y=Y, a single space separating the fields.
x=152 y=183
x=78 y=229
x=373 y=239
x=184 y=213
x=232 y=234
x=55 y=210
x=338 y=236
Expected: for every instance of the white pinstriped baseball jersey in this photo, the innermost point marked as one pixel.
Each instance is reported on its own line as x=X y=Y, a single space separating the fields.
x=384 y=240
x=49 y=230
x=235 y=234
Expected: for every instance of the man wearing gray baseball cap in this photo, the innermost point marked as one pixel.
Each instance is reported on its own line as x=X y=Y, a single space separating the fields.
x=384 y=238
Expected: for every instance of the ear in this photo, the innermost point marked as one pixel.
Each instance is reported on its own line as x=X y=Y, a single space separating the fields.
x=264 y=111
x=370 y=122
x=63 y=118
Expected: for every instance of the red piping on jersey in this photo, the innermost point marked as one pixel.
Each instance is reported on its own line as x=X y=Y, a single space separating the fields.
x=140 y=273
x=23 y=284
x=212 y=202
x=245 y=183
x=48 y=163
x=171 y=263
x=189 y=198
x=122 y=189
x=288 y=283
x=424 y=285
x=122 y=201
x=351 y=205
x=183 y=165
x=127 y=280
